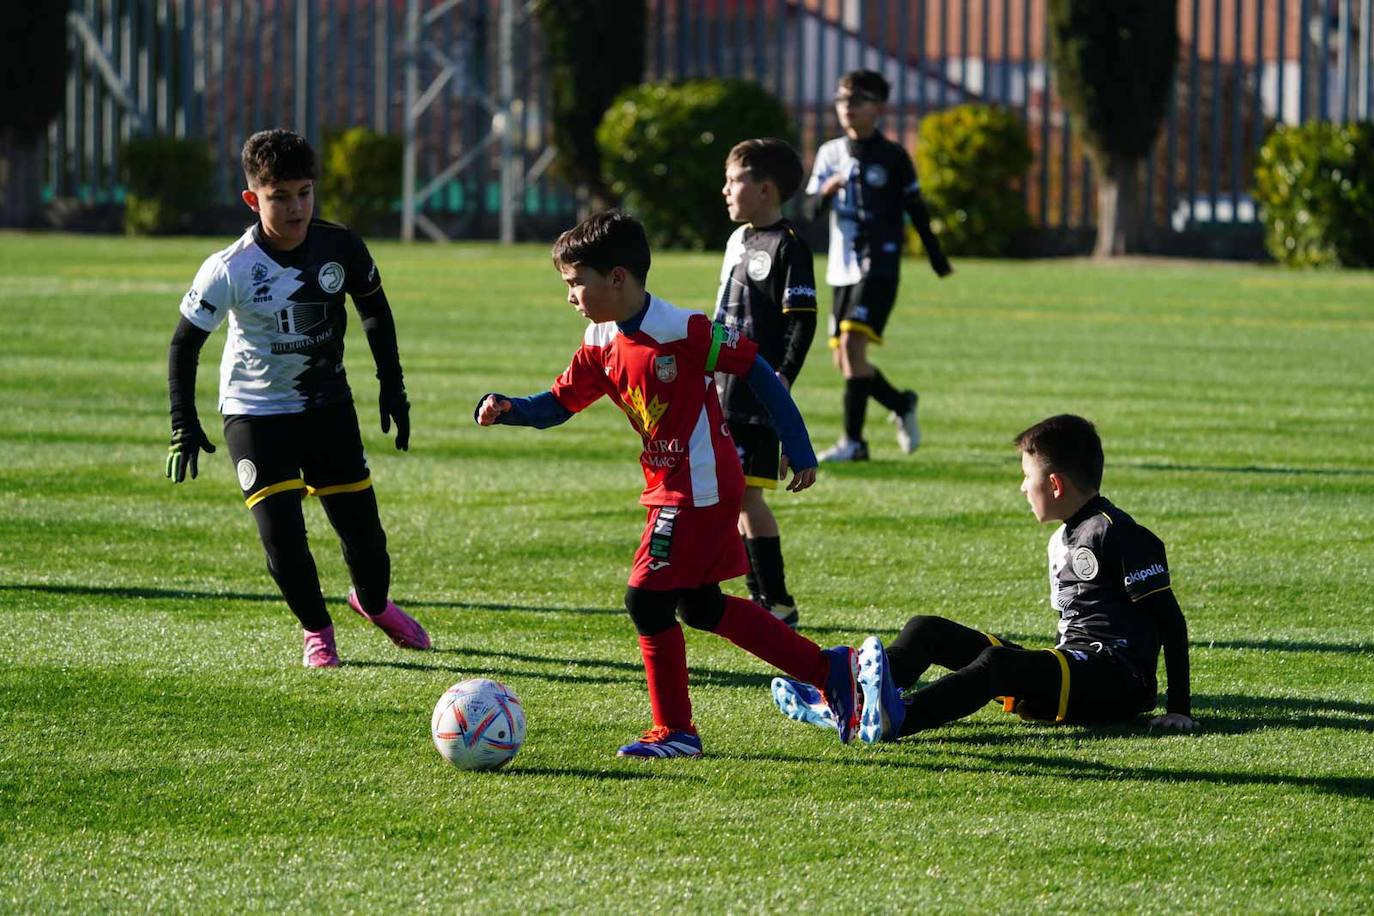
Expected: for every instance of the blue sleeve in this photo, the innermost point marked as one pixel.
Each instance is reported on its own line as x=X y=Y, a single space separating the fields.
x=540 y=411
x=782 y=410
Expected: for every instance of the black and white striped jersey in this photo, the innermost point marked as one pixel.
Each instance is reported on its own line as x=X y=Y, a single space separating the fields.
x=286 y=315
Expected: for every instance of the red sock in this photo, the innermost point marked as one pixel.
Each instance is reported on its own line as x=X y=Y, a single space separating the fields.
x=755 y=630
x=665 y=667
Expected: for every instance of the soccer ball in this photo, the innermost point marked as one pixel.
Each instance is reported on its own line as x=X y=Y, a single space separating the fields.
x=478 y=724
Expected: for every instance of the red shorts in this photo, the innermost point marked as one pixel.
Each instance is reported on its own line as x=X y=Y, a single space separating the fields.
x=687 y=547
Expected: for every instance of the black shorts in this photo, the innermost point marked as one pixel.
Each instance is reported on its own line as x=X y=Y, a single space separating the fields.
x=759 y=453
x=863 y=307
x=1092 y=687
x=319 y=451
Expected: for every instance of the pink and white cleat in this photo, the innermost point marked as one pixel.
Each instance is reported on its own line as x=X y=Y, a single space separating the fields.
x=319 y=649
x=404 y=630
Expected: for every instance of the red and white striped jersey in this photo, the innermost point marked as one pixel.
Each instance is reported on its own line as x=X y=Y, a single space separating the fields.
x=662 y=376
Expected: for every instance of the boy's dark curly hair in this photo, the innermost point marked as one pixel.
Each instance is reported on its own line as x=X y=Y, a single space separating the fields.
x=276 y=155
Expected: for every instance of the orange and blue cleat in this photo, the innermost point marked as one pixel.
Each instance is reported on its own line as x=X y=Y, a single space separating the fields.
x=661 y=741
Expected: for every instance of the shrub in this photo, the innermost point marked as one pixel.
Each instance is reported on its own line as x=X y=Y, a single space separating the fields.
x=168 y=179
x=663 y=149
x=361 y=177
x=1315 y=185
x=972 y=160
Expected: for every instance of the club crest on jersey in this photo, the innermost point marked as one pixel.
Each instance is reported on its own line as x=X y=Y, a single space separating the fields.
x=248 y=473
x=1084 y=564
x=760 y=265
x=644 y=415
x=875 y=175
x=665 y=368
x=331 y=277
x=259 y=272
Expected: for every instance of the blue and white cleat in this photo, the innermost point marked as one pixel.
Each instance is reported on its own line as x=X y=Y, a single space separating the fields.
x=841 y=690
x=802 y=703
x=660 y=741
x=883 y=709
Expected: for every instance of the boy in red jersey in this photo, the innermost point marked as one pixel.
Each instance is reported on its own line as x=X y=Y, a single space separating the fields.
x=657 y=363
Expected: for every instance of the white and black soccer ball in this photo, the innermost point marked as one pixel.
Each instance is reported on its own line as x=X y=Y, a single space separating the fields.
x=478 y=724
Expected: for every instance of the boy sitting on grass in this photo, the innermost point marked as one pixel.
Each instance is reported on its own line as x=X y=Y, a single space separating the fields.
x=1109 y=582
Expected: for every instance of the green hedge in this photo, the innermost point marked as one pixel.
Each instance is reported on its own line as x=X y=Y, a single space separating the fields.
x=1315 y=186
x=361 y=177
x=168 y=179
x=972 y=160
x=663 y=149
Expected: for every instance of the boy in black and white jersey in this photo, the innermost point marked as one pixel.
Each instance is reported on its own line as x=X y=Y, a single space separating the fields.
x=768 y=294
x=288 y=411
x=869 y=183
x=1109 y=584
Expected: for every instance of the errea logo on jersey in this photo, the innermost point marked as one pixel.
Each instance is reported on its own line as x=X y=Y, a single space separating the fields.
x=1140 y=575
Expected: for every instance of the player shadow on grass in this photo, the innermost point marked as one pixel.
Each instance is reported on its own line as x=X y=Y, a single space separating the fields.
x=182 y=594
x=517 y=769
x=1001 y=763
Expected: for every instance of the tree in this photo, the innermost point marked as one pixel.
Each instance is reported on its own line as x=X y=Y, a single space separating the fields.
x=595 y=49
x=33 y=76
x=1114 y=69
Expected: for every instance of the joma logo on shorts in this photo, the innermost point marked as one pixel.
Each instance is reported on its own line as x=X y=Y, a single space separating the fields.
x=1140 y=575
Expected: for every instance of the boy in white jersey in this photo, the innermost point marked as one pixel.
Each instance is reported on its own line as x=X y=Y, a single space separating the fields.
x=288 y=411
x=657 y=363
x=870 y=184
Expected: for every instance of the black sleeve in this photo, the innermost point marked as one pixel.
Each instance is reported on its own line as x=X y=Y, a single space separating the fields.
x=813 y=206
x=182 y=356
x=1163 y=609
x=799 y=329
x=380 y=328
x=361 y=271
x=916 y=211
x=798 y=300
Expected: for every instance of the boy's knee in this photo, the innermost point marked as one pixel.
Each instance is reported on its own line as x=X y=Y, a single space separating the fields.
x=922 y=626
x=286 y=552
x=651 y=612
x=702 y=608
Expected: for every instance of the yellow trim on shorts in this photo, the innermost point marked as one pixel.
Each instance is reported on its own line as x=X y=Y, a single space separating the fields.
x=849 y=325
x=1063 y=685
x=763 y=483
x=295 y=483
x=356 y=487
x=993 y=639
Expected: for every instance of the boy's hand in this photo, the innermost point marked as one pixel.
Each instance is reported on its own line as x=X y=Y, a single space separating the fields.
x=1174 y=721
x=833 y=184
x=491 y=409
x=393 y=405
x=801 y=479
x=184 y=452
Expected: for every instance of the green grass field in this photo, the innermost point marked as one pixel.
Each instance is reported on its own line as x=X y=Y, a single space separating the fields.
x=162 y=749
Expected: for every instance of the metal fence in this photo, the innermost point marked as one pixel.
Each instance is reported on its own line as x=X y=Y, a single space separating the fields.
x=221 y=69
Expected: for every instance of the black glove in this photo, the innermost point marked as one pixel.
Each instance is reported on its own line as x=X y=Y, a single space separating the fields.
x=940 y=264
x=394 y=406
x=187 y=443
